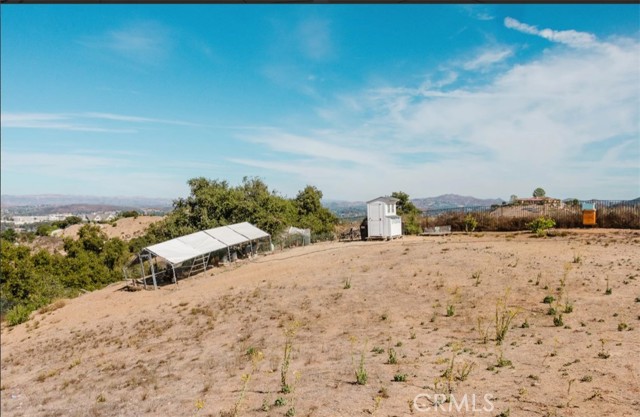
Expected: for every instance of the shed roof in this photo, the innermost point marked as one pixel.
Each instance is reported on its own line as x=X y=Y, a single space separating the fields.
x=388 y=200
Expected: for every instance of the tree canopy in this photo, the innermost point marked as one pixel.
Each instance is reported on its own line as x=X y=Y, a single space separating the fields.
x=539 y=192
x=29 y=280
x=409 y=212
x=214 y=203
x=404 y=206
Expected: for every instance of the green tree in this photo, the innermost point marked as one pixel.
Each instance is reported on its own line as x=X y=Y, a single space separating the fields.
x=16 y=271
x=539 y=192
x=71 y=220
x=68 y=221
x=129 y=213
x=44 y=229
x=214 y=203
x=572 y=202
x=9 y=235
x=30 y=280
x=404 y=206
x=309 y=200
x=312 y=214
x=409 y=212
x=92 y=238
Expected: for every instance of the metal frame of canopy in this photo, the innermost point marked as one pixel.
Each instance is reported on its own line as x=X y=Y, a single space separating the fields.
x=198 y=245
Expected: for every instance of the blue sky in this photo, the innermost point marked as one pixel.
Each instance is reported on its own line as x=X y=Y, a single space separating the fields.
x=357 y=100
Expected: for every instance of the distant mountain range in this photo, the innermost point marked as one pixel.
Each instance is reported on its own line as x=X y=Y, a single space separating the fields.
x=357 y=208
x=454 y=200
x=58 y=200
x=59 y=203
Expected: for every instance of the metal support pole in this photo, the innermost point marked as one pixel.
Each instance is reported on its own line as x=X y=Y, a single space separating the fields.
x=144 y=280
x=153 y=275
x=175 y=280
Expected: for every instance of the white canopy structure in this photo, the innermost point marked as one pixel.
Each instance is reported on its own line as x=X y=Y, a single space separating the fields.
x=200 y=245
x=248 y=230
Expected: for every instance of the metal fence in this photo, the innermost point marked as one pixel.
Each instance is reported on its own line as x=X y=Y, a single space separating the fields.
x=609 y=214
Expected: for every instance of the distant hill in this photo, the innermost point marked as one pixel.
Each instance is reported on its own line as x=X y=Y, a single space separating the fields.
x=80 y=208
x=630 y=203
x=359 y=208
x=64 y=200
x=346 y=208
x=453 y=200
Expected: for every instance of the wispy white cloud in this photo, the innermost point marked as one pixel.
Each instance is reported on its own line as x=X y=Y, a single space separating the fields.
x=145 y=42
x=488 y=58
x=568 y=37
x=314 y=37
x=113 y=173
x=52 y=164
x=294 y=53
x=526 y=126
x=477 y=12
x=82 y=122
x=52 y=121
x=291 y=76
x=135 y=119
x=318 y=147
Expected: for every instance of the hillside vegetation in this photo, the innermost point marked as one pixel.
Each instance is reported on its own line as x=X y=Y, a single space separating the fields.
x=31 y=279
x=542 y=326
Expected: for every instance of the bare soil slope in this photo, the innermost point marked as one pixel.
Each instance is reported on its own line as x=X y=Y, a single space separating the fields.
x=126 y=228
x=183 y=351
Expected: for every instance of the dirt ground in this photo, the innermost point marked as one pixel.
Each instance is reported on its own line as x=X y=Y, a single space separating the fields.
x=421 y=302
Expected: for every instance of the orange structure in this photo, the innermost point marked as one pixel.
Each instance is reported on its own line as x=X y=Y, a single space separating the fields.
x=588 y=214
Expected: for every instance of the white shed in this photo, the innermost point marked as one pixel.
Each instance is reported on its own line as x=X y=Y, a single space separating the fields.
x=382 y=220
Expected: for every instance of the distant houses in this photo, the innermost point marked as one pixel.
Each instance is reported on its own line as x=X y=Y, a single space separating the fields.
x=539 y=201
x=100 y=217
x=21 y=220
x=18 y=221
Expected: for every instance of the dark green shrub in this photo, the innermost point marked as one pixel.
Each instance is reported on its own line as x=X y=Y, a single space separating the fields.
x=400 y=377
x=129 y=213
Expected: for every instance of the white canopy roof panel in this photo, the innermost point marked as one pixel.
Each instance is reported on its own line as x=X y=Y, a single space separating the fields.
x=202 y=242
x=248 y=230
x=226 y=235
x=173 y=251
x=197 y=244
